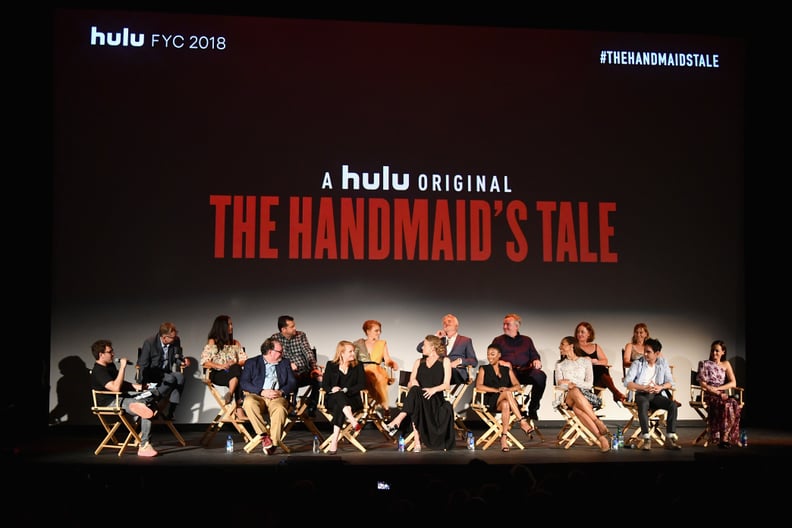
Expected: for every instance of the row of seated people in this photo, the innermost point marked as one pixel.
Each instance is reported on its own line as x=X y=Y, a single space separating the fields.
x=425 y=411
x=431 y=415
x=223 y=359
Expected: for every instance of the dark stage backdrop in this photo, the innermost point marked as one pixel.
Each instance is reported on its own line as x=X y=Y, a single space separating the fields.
x=339 y=171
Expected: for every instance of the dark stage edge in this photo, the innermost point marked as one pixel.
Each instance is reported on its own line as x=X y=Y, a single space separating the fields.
x=61 y=463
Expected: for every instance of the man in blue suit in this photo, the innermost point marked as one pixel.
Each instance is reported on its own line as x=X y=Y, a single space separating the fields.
x=267 y=382
x=459 y=347
x=161 y=360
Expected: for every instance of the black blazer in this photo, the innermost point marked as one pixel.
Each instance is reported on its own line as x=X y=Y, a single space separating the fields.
x=355 y=381
x=150 y=359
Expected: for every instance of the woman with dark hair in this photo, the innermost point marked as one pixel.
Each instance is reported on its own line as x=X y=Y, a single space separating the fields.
x=716 y=377
x=498 y=383
x=584 y=333
x=223 y=358
x=574 y=372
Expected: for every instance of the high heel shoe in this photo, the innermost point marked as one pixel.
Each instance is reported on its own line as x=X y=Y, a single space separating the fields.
x=417 y=448
x=356 y=426
x=604 y=444
x=504 y=443
x=392 y=430
x=603 y=429
x=527 y=428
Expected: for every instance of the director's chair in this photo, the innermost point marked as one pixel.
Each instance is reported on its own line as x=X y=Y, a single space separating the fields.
x=699 y=405
x=226 y=415
x=492 y=421
x=573 y=429
x=347 y=433
x=113 y=417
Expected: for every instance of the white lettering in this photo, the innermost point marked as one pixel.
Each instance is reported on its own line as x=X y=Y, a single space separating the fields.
x=124 y=39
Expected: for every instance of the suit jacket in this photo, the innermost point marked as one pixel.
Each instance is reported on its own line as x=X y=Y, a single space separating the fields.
x=255 y=371
x=354 y=383
x=462 y=349
x=150 y=359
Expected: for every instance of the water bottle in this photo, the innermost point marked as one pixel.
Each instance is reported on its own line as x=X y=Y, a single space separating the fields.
x=401 y=444
x=615 y=440
x=620 y=436
x=471 y=441
x=316 y=444
x=229 y=444
x=744 y=438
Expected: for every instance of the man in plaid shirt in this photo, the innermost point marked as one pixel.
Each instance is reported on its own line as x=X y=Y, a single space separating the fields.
x=299 y=352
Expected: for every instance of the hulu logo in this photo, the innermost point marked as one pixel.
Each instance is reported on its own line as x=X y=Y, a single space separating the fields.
x=123 y=38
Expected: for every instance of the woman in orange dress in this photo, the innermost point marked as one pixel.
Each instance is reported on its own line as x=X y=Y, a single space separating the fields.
x=373 y=353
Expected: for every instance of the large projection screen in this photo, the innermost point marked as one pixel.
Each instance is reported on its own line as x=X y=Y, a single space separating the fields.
x=339 y=171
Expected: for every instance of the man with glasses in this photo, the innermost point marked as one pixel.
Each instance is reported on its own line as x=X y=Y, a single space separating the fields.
x=650 y=378
x=105 y=376
x=267 y=382
x=161 y=360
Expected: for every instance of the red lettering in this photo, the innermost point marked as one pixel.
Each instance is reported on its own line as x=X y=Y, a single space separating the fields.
x=243 y=227
x=325 y=231
x=352 y=228
x=220 y=203
x=517 y=250
x=442 y=241
x=267 y=226
x=300 y=227
x=606 y=232
x=379 y=229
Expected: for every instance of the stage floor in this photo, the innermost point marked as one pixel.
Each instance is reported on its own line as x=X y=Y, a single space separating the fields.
x=63 y=460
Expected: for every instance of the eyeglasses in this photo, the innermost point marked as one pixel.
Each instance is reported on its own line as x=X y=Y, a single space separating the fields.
x=108 y=352
x=277 y=350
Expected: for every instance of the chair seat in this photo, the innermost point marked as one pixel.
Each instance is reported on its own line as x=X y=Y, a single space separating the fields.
x=120 y=428
x=493 y=423
x=699 y=404
x=347 y=433
x=227 y=414
x=573 y=428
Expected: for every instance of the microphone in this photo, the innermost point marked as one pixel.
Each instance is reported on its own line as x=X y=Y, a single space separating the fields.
x=118 y=360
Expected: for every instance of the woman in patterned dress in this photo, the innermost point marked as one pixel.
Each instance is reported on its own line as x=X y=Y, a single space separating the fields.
x=716 y=377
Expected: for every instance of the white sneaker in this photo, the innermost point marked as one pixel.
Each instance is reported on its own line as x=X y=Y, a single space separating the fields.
x=647 y=443
x=147 y=450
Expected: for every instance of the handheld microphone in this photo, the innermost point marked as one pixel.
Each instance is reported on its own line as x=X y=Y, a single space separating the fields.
x=118 y=360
